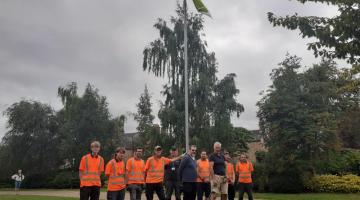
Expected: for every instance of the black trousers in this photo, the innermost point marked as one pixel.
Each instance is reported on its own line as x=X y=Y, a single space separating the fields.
x=203 y=188
x=245 y=187
x=172 y=186
x=231 y=191
x=92 y=192
x=189 y=189
x=116 y=195
x=135 y=191
x=154 y=187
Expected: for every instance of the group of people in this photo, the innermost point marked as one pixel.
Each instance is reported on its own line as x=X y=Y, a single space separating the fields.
x=207 y=177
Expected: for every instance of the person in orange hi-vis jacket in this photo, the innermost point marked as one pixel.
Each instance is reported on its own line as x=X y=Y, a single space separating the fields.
x=244 y=168
x=135 y=171
x=203 y=180
x=115 y=171
x=230 y=175
x=154 y=174
x=90 y=169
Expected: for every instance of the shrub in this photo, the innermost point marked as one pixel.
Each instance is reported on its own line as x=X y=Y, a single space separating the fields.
x=65 y=179
x=332 y=183
x=260 y=178
x=346 y=161
x=6 y=183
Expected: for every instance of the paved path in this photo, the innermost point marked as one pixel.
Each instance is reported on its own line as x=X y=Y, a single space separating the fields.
x=58 y=193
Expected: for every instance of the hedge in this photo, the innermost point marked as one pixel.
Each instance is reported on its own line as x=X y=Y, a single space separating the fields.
x=333 y=183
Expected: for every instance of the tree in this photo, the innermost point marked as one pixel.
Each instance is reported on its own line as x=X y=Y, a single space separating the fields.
x=164 y=57
x=349 y=104
x=298 y=119
x=149 y=134
x=225 y=104
x=84 y=119
x=32 y=140
x=337 y=37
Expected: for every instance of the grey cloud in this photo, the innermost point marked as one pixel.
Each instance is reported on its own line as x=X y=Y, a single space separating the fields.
x=45 y=44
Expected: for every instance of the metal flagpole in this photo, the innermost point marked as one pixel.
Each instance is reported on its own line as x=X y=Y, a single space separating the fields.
x=186 y=79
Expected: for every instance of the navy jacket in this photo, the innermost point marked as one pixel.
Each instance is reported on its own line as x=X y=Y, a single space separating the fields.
x=187 y=169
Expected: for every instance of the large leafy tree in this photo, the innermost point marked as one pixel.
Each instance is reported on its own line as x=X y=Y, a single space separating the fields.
x=84 y=119
x=298 y=119
x=349 y=104
x=225 y=105
x=32 y=141
x=165 y=57
x=337 y=37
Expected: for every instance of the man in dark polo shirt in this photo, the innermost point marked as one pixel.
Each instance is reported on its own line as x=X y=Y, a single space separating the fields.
x=218 y=179
x=172 y=179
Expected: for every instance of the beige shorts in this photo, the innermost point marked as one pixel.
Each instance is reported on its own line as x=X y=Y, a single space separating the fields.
x=219 y=184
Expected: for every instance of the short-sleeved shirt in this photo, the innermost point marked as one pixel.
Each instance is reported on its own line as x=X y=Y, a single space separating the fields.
x=219 y=164
x=156 y=166
x=119 y=169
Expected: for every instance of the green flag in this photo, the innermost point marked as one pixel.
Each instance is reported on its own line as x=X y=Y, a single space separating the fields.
x=201 y=8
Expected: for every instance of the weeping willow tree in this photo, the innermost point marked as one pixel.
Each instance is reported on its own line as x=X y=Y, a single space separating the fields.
x=164 y=57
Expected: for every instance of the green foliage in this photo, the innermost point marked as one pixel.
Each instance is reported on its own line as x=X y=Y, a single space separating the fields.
x=211 y=102
x=31 y=140
x=65 y=179
x=260 y=178
x=298 y=120
x=349 y=91
x=337 y=37
x=340 y=163
x=84 y=119
x=332 y=183
x=40 y=139
x=307 y=196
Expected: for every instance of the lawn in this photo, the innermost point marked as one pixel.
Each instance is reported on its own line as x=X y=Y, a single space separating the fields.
x=21 y=197
x=326 y=196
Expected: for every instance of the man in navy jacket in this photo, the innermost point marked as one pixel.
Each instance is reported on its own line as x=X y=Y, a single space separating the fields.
x=188 y=174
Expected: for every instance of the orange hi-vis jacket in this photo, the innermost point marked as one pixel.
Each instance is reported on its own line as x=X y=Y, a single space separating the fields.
x=230 y=172
x=203 y=168
x=135 y=171
x=154 y=169
x=116 y=173
x=90 y=170
x=244 y=170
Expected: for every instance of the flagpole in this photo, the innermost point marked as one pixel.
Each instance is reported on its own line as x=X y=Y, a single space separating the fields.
x=186 y=79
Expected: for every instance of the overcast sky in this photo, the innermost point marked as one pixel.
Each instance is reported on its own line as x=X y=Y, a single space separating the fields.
x=45 y=44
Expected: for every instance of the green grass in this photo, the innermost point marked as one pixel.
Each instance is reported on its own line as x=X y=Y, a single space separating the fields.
x=326 y=196
x=21 y=197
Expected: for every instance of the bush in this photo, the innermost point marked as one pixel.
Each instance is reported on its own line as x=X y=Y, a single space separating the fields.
x=6 y=183
x=346 y=161
x=65 y=179
x=333 y=183
x=259 y=177
x=37 y=181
